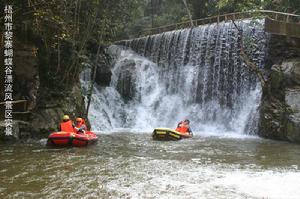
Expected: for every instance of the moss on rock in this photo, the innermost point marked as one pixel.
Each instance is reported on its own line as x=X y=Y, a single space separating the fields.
x=280 y=109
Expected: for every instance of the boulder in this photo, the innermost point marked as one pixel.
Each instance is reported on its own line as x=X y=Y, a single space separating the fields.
x=126 y=84
x=293 y=120
x=291 y=72
x=53 y=106
x=280 y=108
x=103 y=72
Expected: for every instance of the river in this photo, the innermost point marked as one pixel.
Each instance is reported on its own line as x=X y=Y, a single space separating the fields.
x=158 y=81
x=132 y=165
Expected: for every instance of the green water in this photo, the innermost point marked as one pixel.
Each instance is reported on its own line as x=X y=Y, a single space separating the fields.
x=124 y=165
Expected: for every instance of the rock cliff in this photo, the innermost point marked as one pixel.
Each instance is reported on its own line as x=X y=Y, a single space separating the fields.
x=280 y=108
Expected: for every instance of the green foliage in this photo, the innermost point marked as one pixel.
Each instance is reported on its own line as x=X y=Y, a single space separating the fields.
x=63 y=29
x=172 y=11
x=205 y=8
x=164 y=12
x=154 y=13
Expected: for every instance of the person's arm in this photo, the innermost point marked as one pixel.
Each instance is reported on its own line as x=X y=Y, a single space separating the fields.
x=76 y=128
x=82 y=128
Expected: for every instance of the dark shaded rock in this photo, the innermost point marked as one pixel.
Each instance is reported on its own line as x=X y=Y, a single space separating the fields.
x=293 y=121
x=293 y=129
x=291 y=71
x=126 y=82
x=52 y=107
x=103 y=76
x=103 y=72
x=38 y=80
x=25 y=74
x=282 y=48
x=273 y=119
x=280 y=109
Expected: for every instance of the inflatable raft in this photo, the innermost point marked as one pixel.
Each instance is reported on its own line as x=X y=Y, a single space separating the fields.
x=166 y=134
x=71 y=139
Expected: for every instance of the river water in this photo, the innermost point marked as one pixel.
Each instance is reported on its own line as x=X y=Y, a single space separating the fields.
x=157 y=81
x=132 y=165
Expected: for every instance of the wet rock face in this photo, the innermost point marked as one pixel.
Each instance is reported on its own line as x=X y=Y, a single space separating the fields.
x=293 y=122
x=280 y=109
x=26 y=79
x=51 y=108
x=126 y=83
x=103 y=73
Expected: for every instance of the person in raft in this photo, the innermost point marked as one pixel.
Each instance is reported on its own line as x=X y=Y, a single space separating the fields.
x=66 y=125
x=80 y=126
x=184 y=127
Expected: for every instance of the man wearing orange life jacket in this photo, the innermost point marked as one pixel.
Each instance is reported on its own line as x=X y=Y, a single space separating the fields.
x=80 y=126
x=66 y=125
x=184 y=127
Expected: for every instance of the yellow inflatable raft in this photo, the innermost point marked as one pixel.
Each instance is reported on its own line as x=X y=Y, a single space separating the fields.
x=166 y=134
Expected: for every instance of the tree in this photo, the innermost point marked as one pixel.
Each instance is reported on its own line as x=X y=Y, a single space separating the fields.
x=63 y=30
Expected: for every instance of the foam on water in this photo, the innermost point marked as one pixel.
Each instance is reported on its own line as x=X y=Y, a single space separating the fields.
x=179 y=181
x=197 y=73
x=127 y=165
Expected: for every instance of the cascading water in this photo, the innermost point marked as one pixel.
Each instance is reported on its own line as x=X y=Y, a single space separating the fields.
x=191 y=73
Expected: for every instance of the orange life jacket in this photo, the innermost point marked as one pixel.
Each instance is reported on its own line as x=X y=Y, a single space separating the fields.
x=182 y=129
x=66 y=126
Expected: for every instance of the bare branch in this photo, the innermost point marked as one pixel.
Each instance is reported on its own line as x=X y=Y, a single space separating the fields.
x=251 y=65
x=189 y=12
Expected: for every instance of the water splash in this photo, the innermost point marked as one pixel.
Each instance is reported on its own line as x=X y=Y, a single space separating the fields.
x=191 y=73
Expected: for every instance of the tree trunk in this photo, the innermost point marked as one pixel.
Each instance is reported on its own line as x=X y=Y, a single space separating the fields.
x=94 y=71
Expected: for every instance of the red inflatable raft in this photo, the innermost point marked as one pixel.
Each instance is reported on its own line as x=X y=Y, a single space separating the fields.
x=71 y=139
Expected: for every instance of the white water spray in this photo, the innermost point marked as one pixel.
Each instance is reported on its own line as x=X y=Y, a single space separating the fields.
x=191 y=73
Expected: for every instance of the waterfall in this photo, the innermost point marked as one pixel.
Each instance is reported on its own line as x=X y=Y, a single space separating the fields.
x=194 y=74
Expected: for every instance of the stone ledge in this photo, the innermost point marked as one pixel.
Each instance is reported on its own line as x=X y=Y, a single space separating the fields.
x=282 y=28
